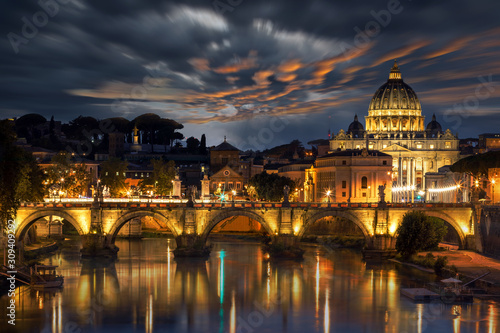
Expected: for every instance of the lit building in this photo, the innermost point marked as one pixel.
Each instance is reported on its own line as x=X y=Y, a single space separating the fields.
x=446 y=186
x=488 y=142
x=395 y=126
x=349 y=176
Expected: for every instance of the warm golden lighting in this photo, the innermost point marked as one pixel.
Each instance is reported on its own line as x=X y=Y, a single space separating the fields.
x=465 y=229
x=327 y=313
x=392 y=228
x=296 y=230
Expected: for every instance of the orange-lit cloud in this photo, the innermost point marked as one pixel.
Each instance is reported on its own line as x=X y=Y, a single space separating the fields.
x=238 y=64
x=200 y=64
x=454 y=46
x=401 y=52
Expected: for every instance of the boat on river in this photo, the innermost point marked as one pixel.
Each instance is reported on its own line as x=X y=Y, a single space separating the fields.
x=44 y=276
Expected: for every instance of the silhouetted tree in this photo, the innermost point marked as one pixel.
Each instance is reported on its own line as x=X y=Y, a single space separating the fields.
x=192 y=144
x=203 y=144
x=21 y=179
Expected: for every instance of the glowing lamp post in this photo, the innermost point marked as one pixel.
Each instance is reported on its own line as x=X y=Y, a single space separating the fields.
x=493 y=191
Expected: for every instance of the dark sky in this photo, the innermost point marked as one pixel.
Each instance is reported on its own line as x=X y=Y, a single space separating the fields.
x=261 y=72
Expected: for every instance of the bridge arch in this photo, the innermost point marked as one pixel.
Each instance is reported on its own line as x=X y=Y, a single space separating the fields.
x=140 y=213
x=336 y=213
x=451 y=221
x=234 y=212
x=24 y=225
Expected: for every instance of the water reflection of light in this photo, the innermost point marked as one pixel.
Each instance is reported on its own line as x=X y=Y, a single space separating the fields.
x=420 y=312
x=57 y=314
x=492 y=321
x=221 y=275
x=168 y=271
x=149 y=315
x=268 y=284
x=232 y=319
x=456 y=320
x=317 y=285
x=327 y=312
x=392 y=293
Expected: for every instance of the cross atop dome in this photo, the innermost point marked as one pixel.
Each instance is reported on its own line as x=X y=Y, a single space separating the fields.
x=395 y=73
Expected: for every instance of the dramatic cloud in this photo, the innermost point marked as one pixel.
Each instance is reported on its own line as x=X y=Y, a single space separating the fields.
x=236 y=70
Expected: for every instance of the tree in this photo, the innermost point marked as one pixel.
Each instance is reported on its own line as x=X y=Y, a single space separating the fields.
x=25 y=125
x=418 y=232
x=269 y=187
x=113 y=175
x=203 y=144
x=68 y=176
x=478 y=165
x=192 y=144
x=82 y=128
x=161 y=180
x=21 y=179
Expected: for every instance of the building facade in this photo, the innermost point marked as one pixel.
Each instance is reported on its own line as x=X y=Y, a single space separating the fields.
x=349 y=176
x=395 y=126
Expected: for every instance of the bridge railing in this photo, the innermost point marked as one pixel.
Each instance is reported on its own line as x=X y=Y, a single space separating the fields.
x=172 y=203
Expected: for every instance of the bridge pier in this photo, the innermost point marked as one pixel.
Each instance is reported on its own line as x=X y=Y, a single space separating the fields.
x=380 y=247
x=98 y=245
x=284 y=246
x=191 y=245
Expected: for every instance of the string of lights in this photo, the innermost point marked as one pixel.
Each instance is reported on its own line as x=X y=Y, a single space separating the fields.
x=444 y=189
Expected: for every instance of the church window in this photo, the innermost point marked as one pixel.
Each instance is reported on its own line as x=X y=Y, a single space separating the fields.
x=419 y=146
x=238 y=186
x=384 y=162
x=344 y=184
x=431 y=146
x=357 y=146
x=344 y=162
x=224 y=160
x=364 y=182
x=447 y=144
x=343 y=194
x=384 y=146
x=370 y=146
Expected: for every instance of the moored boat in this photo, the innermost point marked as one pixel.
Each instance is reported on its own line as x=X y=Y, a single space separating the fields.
x=44 y=276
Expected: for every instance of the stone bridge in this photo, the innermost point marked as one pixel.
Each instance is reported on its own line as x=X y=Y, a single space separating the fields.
x=102 y=220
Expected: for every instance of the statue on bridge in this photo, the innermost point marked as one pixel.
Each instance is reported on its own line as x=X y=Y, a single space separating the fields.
x=381 y=195
x=191 y=195
x=286 y=192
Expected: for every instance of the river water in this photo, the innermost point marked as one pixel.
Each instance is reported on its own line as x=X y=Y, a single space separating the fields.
x=236 y=290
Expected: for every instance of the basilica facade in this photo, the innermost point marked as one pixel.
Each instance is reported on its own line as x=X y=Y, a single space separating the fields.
x=395 y=126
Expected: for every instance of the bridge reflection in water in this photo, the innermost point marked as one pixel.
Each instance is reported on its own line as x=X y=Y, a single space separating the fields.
x=237 y=290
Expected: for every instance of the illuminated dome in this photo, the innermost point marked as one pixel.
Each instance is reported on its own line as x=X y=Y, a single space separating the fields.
x=394 y=107
x=395 y=96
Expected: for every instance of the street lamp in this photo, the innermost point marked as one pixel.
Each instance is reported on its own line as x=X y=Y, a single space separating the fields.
x=328 y=193
x=493 y=191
